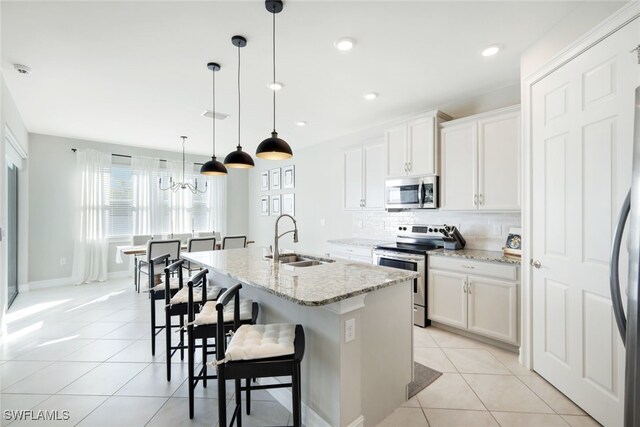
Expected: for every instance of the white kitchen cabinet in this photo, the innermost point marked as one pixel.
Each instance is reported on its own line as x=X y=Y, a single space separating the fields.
x=351 y=253
x=364 y=177
x=461 y=294
x=481 y=162
x=412 y=148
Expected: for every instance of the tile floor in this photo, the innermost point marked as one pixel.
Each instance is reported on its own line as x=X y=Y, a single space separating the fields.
x=86 y=350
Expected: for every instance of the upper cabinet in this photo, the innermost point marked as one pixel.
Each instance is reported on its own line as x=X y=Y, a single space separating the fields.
x=412 y=147
x=364 y=177
x=481 y=162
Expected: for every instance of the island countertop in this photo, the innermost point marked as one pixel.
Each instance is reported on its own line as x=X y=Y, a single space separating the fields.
x=312 y=286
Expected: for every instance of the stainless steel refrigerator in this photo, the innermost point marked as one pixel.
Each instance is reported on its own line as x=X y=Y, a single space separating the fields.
x=627 y=318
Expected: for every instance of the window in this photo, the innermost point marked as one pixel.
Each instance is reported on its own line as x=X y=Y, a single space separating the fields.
x=120 y=200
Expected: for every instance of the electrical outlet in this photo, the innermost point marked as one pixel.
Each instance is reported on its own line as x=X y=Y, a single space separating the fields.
x=349 y=330
x=497 y=230
x=63 y=261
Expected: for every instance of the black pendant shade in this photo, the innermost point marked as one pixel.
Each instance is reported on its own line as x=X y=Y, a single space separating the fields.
x=274 y=148
x=239 y=159
x=213 y=167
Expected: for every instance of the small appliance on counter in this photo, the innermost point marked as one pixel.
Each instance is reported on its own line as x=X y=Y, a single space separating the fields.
x=413 y=243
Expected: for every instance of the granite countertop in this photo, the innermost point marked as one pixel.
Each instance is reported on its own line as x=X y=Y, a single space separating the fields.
x=356 y=241
x=312 y=286
x=478 y=255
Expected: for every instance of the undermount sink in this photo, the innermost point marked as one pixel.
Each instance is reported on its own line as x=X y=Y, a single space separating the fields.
x=306 y=263
x=291 y=261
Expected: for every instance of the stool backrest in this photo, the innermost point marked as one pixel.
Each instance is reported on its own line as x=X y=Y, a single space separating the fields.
x=154 y=263
x=160 y=247
x=233 y=293
x=234 y=242
x=198 y=279
x=141 y=239
x=201 y=244
x=173 y=268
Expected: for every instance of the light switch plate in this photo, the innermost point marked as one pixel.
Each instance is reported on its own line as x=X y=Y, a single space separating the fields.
x=349 y=330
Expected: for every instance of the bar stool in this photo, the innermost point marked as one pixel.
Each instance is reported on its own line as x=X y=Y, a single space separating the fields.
x=202 y=325
x=157 y=292
x=176 y=306
x=256 y=351
x=198 y=244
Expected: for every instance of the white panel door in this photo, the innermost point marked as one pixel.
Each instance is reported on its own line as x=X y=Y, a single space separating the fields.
x=493 y=308
x=582 y=123
x=447 y=298
x=396 y=148
x=421 y=147
x=353 y=179
x=458 y=182
x=374 y=176
x=499 y=163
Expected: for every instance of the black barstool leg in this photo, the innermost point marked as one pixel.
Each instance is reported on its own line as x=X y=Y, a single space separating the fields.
x=295 y=396
x=190 y=354
x=222 y=398
x=204 y=362
x=239 y=402
x=248 y=395
x=167 y=345
x=153 y=324
x=181 y=337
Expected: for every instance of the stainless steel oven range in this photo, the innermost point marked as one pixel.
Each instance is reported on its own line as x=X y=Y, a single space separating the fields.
x=410 y=251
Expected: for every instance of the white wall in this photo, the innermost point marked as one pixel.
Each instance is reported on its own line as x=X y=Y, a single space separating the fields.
x=237 y=202
x=319 y=194
x=584 y=17
x=51 y=219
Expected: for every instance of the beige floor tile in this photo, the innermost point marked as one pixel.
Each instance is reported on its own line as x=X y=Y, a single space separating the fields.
x=459 y=418
x=421 y=338
x=411 y=403
x=505 y=393
x=475 y=361
x=262 y=414
x=510 y=360
x=448 y=339
x=175 y=413
x=581 y=421
x=98 y=350
x=152 y=381
x=77 y=407
x=124 y=411
x=15 y=370
x=518 y=419
x=52 y=379
x=104 y=380
x=18 y=402
x=560 y=403
x=433 y=358
x=450 y=391
x=406 y=417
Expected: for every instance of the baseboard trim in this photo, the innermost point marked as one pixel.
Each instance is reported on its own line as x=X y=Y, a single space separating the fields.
x=309 y=417
x=65 y=281
x=358 y=422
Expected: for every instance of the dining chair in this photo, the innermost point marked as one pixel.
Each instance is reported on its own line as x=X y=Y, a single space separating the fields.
x=206 y=234
x=138 y=240
x=234 y=242
x=156 y=248
x=198 y=244
x=183 y=237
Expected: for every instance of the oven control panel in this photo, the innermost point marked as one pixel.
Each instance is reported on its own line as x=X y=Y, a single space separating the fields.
x=425 y=230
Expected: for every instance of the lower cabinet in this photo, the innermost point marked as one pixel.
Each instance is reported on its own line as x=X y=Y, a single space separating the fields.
x=351 y=253
x=482 y=305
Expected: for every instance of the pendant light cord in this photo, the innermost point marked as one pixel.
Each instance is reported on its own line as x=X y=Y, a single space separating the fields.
x=213 y=115
x=239 y=102
x=183 y=141
x=274 y=69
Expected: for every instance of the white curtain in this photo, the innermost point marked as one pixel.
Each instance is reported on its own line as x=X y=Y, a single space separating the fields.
x=91 y=246
x=146 y=197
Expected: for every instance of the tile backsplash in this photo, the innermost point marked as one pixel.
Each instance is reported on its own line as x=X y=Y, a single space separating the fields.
x=481 y=230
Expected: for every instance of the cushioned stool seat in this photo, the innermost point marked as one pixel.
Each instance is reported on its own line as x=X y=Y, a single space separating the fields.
x=209 y=316
x=182 y=296
x=252 y=342
x=174 y=283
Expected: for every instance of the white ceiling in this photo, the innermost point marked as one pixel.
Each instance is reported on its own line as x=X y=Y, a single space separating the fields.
x=135 y=72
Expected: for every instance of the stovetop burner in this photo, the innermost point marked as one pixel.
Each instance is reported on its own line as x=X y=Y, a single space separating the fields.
x=419 y=239
x=409 y=248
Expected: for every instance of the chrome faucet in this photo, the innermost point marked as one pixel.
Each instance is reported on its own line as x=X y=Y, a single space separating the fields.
x=276 y=252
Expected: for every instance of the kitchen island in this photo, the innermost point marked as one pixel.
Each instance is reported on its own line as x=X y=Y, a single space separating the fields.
x=355 y=383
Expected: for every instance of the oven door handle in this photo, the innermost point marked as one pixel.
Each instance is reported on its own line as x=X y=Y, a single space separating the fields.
x=399 y=257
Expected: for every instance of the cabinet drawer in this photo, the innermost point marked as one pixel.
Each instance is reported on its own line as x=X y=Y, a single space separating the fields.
x=491 y=269
x=350 y=251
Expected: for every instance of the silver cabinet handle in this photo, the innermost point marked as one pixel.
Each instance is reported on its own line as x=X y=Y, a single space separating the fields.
x=481 y=199
x=535 y=263
x=405 y=167
x=467 y=266
x=475 y=200
x=464 y=286
x=469 y=288
x=409 y=166
x=364 y=203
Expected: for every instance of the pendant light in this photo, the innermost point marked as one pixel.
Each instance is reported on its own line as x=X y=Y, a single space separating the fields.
x=274 y=148
x=239 y=159
x=213 y=167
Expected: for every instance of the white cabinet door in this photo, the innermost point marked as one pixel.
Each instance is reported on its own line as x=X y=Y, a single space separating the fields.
x=421 y=147
x=459 y=167
x=374 y=176
x=493 y=308
x=396 y=148
x=353 y=179
x=447 y=298
x=499 y=163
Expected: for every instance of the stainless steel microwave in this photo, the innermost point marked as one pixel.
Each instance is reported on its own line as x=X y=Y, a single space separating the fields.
x=411 y=193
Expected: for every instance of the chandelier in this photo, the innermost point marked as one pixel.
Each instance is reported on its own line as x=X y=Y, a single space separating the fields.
x=182 y=184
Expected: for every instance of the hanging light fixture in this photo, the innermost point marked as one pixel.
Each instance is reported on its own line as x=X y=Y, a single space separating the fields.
x=274 y=148
x=238 y=159
x=213 y=167
x=182 y=184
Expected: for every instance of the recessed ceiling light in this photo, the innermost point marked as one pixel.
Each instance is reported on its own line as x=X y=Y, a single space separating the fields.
x=275 y=85
x=301 y=123
x=344 y=44
x=22 y=69
x=209 y=114
x=490 y=51
x=370 y=96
